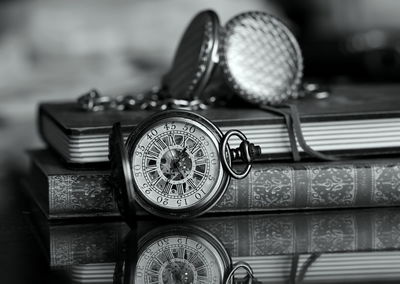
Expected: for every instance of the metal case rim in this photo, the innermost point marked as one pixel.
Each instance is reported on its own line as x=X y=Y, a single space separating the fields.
x=186 y=213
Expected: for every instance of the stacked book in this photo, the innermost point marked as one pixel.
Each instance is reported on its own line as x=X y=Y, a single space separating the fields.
x=359 y=124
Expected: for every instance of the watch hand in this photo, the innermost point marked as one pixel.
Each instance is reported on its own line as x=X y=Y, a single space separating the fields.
x=172 y=152
x=177 y=162
x=184 y=150
x=180 y=172
x=180 y=156
x=176 y=165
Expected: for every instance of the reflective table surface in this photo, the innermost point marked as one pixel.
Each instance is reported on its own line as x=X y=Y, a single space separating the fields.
x=342 y=246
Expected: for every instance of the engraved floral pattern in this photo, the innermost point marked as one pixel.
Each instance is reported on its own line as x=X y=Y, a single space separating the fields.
x=272 y=235
x=334 y=233
x=78 y=244
x=331 y=186
x=386 y=230
x=229 y=199
x=386 y=184
x=272 y=188
x=225 y=230
x=81 y=194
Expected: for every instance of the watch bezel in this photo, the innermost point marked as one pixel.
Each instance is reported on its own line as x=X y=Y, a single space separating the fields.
x=210 y=199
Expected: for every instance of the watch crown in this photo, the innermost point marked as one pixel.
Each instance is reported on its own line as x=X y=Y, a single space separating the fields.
x=255 y=151
x=247 y=152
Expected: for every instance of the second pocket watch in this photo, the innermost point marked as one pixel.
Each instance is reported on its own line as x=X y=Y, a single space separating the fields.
x=176 y=164
x=254 y=54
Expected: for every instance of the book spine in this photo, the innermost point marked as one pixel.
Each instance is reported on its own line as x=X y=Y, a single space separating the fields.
x=306 y=186
x=81 y=195
x=268 y=187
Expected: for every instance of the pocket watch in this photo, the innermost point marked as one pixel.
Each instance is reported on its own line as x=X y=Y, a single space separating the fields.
x=175 y=164
x=254 y=54
x=177 y=254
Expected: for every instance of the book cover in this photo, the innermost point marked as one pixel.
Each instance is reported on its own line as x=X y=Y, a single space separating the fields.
x=66 y=193
x=353 y=120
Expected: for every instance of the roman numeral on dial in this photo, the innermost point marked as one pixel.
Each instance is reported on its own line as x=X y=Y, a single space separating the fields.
x=160 y=144
x=171 y=139
x=167 y=188
x=200 y=160
x=154 y=182
x=198 y=173
x=196 y=147
x=180 y=189
x=152 y=155
x=168 y=254
x=181 y=253
x=150 y=168
x=151 y=272
x=191 y=183
x=203 y=279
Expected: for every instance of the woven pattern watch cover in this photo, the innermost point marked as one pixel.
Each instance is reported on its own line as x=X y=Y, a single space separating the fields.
x=260 y=58
x=192 y=64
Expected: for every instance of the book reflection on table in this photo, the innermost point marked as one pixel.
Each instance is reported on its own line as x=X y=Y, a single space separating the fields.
x=308 y=247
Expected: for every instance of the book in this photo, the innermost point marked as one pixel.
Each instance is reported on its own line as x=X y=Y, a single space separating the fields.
x=63 y=193
x=355 y=120
x=66 y=193
x=364 y=241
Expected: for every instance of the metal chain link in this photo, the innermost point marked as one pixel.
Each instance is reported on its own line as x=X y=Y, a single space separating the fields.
x=157 y=99
x=152 y=99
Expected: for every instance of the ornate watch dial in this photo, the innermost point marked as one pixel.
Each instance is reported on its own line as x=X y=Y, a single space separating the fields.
x=179 y=259
x=176 y=163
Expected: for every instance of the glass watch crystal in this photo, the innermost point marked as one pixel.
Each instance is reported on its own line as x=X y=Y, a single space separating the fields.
x=175 y=163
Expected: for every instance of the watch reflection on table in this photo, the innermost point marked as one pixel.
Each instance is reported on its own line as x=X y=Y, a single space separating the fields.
x=356 y=246
x=176 y=253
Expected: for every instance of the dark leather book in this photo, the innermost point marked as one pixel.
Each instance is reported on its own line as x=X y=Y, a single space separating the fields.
x=62 y=193
x=353 y=120
x=65 y=193
x=340 y=244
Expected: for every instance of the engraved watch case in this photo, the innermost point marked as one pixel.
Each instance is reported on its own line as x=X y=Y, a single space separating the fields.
x=254 y=54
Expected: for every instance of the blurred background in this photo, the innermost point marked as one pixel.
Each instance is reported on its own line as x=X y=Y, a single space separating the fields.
x=58 y=49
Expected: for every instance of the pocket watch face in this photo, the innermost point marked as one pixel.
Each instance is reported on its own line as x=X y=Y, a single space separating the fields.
x=176 y=164
x=179 y=257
